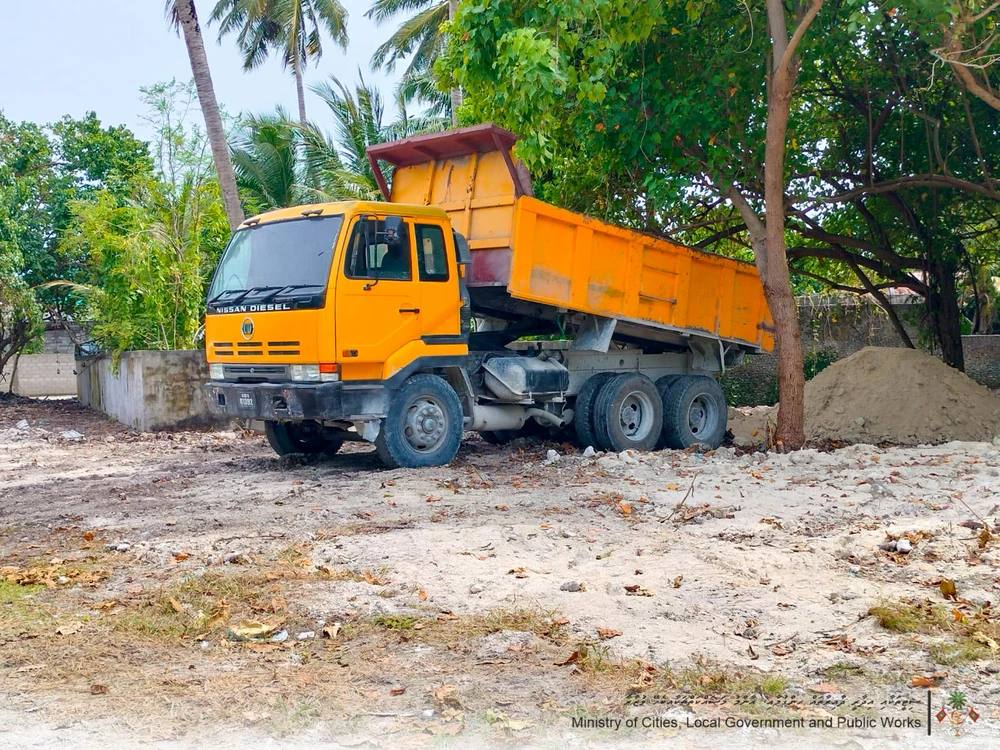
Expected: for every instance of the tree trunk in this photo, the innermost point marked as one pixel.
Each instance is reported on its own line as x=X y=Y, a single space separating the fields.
x=942 y=304
x=790 y=433
x=188 y=19
x=456 y=93
x=299 y=87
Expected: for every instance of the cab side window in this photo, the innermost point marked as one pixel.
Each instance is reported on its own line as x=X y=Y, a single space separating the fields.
x=432 y=258
x=379 y=249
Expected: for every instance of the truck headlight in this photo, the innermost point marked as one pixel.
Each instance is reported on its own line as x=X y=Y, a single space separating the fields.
x=217 y=372
x=304 y=373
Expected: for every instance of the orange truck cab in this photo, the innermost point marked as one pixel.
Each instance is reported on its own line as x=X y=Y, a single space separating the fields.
x=463 y=303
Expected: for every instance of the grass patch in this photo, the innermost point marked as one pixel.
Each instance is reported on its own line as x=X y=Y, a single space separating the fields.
x=965 y=634
x=903 y=616
x=395 y=622
x=202 y=605
x=20 y=611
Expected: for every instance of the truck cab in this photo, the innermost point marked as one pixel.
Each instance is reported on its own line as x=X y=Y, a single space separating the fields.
x=316 y=312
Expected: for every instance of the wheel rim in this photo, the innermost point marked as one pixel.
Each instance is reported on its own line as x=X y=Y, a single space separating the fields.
x=702 y=415
x=426 y=424
x=636 y=416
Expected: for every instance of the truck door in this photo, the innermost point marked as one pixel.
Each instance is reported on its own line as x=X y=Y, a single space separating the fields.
x=378 y=297
x=440 y=301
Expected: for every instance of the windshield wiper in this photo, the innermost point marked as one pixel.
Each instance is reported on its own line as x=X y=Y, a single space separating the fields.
x=288 y=288
x=242 y=294
x=218 y=297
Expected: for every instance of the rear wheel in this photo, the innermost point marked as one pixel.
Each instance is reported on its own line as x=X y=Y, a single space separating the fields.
x=300 y=437
x=583 y=412
x=663 y=387
x=423 y=426
x=628 y=413
x=694 y=411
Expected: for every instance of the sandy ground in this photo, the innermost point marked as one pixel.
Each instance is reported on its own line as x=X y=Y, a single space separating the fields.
x=453 y=594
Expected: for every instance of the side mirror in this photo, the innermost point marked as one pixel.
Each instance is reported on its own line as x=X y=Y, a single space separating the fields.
x=394 y=224
x=462 y=253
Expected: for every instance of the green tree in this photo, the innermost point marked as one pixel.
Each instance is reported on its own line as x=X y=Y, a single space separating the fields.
x=634 y=83
x=150 y=248
x=339 y=164
x=265 y=155
x=291 y=28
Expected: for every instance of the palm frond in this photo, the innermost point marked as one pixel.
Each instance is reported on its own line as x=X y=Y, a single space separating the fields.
x=422 y=31
x=383 y=10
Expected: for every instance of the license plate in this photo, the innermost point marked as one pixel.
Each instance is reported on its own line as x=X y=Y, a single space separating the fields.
x=246 y=401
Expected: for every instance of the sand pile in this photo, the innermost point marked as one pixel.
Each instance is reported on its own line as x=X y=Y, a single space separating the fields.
x=882 y=395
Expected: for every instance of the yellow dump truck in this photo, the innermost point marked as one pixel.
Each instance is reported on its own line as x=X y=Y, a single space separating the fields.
x=462 y=303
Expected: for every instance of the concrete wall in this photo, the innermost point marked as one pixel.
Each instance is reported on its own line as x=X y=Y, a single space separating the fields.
x=151 y=391
x=45 y=375
x=834 y=328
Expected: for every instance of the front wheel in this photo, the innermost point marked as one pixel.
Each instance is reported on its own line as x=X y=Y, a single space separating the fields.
x=424 y=424
x=299 y=437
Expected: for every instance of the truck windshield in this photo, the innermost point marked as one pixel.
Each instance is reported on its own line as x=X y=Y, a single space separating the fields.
x=281 y=259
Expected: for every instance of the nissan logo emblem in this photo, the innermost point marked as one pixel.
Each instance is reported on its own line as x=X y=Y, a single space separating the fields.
x=247 y=328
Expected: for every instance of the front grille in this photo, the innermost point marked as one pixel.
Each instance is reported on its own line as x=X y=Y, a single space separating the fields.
x=256 y=373
x=256 y=349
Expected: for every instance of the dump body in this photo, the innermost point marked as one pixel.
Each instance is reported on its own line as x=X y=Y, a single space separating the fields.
x=537 y=253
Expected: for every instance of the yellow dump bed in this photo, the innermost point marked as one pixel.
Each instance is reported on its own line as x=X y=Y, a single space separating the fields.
x=542 y=254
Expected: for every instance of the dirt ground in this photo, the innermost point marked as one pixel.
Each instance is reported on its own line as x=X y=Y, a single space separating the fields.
x=193 y=589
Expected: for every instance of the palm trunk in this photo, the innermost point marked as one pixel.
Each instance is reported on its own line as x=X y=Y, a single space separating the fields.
x=188 y=18
x=299 y=87
x=456 y=93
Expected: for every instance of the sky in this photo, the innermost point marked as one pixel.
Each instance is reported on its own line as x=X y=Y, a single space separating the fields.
x=60 y=57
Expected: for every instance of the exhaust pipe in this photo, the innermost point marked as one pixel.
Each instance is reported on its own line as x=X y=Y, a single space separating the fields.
x=549 y=418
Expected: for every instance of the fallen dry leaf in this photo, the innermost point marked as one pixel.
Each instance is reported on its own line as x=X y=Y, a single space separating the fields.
x=254 y=629
x=948 y=590
x=176 y=605
x=930 y=681
x=984 y=537
x=69 y=628
x=825 y=687
x=397 y=691
x=422 y=595
x=331 y=631
x=608 y=633
x=445 y=697
x=580 y=653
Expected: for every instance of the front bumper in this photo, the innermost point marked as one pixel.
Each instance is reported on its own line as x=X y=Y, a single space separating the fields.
x=333 y=402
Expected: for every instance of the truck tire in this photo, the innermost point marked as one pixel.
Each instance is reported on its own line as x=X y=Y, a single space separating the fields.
x=694 y=411
x=628 y=413
x=423 y=426
x=583 y=412
x=663 y=386
x=299 y=437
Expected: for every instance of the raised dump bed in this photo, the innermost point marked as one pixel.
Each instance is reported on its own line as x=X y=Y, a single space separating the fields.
x=530 y=258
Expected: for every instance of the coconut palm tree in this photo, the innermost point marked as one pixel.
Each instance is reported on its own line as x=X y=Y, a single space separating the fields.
x=339 y=164
x=184 y=17
x=291 y=28
x=266 y=161
x=418 y=35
